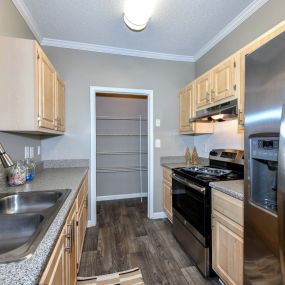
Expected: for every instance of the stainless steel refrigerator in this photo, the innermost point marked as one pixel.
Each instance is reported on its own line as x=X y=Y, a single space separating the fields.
x=264 y=214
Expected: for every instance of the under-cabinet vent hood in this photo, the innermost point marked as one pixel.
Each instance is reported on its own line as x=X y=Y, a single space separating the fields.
x=219 y=113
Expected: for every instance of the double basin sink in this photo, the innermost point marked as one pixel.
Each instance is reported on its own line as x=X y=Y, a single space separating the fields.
x=24 y=219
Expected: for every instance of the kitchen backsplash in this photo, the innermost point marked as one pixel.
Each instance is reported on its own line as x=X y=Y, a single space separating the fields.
x=225 y=136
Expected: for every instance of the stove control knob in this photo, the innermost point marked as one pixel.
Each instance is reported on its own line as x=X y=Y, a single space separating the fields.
x=213 y=153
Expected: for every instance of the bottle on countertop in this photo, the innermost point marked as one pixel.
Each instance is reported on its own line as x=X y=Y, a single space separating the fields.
x=29 y=165
x=195 y=157
x=187 y=156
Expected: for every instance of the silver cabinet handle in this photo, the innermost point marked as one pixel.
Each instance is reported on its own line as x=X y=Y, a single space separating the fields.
x=189 y=184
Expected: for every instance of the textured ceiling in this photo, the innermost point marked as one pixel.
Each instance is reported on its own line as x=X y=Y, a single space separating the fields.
x=180 y=27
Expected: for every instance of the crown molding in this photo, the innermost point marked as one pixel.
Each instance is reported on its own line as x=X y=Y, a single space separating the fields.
x=115 y=50
x=25 y=13
x=245 y=14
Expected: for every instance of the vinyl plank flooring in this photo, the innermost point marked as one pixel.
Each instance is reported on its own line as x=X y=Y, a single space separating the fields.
x=125 y=238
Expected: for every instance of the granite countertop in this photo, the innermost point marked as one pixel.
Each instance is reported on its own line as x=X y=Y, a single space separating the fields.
x=28 y=272
x=179 y=161
x=234 y=188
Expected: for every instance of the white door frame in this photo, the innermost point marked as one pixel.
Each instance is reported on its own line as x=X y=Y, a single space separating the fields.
x=110 y=90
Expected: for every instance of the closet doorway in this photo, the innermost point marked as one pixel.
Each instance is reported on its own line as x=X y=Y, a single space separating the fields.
x=121 y=146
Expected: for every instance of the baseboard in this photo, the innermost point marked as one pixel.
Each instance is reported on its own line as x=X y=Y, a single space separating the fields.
x=158 y=215
x=120 y=197
x=90 y=224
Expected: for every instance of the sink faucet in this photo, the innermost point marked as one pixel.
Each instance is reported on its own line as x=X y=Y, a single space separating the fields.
x=5 y=158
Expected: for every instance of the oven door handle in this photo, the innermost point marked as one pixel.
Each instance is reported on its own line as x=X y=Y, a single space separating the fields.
x=189 y=184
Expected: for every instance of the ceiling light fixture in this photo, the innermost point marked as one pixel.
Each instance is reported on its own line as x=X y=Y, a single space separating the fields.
x=137 y=14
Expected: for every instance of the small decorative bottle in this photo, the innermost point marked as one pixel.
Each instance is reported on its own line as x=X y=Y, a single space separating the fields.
x=195 y=157
x=187 y=156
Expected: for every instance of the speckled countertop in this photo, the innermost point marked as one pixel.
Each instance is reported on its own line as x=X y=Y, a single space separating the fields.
x=179 y=161
x=234 y=188
x=28 y=272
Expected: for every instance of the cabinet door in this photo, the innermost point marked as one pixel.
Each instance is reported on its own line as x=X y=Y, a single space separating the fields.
x=60 y=105
x=55 y=271
x=46 y=91
x=81 y=226
x=186 y=107
x=167 y=199
x=70 y=254
x=203 y=86
x=227 y=250
x=223 y=80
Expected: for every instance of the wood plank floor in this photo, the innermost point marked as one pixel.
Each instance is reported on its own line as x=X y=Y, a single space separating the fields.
x=125 y=238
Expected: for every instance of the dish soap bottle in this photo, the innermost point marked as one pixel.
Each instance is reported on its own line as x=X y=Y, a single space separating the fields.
x=195 y=157
x=187 y=156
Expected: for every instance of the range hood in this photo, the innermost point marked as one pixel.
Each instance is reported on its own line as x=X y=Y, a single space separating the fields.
x=219 y=113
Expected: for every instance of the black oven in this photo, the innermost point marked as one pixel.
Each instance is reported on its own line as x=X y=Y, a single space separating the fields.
x=192 y=219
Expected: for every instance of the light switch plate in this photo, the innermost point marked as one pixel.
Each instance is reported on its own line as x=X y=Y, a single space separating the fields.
x=157 y=122
x=157 y=143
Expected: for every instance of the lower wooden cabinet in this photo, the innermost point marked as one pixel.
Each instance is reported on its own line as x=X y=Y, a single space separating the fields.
x=227 y=238
x=82 y=218
x=63 y=264
x=167 y=193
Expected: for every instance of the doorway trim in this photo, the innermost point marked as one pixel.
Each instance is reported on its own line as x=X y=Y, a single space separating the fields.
x=127 y=91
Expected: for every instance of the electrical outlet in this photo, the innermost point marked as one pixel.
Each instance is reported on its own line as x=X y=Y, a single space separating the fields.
x=32 y=152
x=157 y=143
x=27 y=152
x=157 y=122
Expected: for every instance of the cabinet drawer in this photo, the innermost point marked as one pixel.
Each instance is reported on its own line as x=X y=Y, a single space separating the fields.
x=228 y=206
x=167 y=175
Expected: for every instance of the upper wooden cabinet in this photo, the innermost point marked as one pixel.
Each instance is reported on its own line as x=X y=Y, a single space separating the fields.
x=218 y=85
x=203 y=89
x=30 y=89
x=223 y=80
x=187 y=112
x=59 y=104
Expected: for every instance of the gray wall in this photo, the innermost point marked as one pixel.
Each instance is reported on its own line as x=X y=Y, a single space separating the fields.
x=271 y=14
x=119 y=182
x=13 y=25
x=81 y=69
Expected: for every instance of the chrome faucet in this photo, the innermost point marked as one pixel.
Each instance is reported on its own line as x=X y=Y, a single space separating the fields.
x=6 y=160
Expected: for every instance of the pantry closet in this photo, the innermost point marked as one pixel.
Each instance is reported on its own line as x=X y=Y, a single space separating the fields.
x=121 y=146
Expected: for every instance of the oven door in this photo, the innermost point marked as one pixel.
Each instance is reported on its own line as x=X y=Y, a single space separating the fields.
x=189 y=201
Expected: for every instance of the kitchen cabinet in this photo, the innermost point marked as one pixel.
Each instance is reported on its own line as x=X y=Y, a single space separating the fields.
x=227 y=238
x=167 y=193
x=203 y=91
x=71 y=250
x=55 y=272
x=187 y=112
x=59 y=104
x=82 y=210
x=33 y=95
x=218 y=85
x=63 y=265
x=223 y=80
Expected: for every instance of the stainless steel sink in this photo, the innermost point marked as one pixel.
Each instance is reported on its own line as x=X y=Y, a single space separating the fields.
x=24 y=219
x=28 y=202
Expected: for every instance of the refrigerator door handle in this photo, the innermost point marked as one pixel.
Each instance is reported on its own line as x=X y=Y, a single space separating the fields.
x=281 y=193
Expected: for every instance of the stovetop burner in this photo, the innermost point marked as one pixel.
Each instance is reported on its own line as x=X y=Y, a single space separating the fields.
x=208 y=171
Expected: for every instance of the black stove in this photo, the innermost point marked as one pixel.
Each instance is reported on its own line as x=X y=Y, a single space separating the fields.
x=191 y=201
